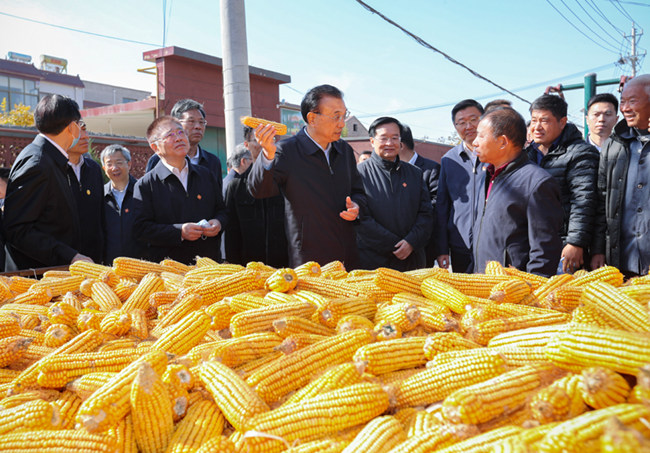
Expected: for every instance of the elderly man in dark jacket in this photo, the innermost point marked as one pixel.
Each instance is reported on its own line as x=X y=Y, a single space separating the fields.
x=558 y=147
x=397 y=217
x=521 y=216
x=317 y=175
x=623 y=226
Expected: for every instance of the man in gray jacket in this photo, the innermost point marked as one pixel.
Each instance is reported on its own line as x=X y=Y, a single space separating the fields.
x=623 y=227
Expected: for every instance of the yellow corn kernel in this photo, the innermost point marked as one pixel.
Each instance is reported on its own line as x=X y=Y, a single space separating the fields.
x=214 y=290
x=117 y=323
x=85 y=385
x=510 y=291
x=483 y=332
x=308 y=269
x=185 y=334
x=59 y=286
x=625 y=312
x=261 y=319
x=29 y=416
x=352 y=322
x=602 y=387
x=387 y=356
x=203 y=422
x=58 y=440
x=379 y=435
x=237 y=351
x=57 y=335
x=282 y=280
x=445 y=341
x=252 y=122
x=445 y=294
x=12 y=349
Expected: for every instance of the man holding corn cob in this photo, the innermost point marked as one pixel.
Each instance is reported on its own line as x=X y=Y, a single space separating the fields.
x=316 y=173
x=520 y=215
x=179 y=205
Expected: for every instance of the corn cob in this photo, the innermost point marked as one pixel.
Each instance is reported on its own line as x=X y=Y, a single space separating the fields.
x=573 y=435
x=640 y=293
x=494 y=268
x=5 y=291
x=185 y=334
x=9 y=325
x=252 y=122
x=534 y=280
x=19 y=285
x=602 y=387
x=445 y=294
x=329 y=288
x=105 y=297
x=320 y=446
x=201 y=273
x=63 y=313
x=57 y=335
x=309 y=296
x=295 y=370
x=585 y=314
x=553 y=283
x=386 y=331
x=530 y=337
x=118 y=344
x=135 y=268
x=110 y=402
x=203 y=422
x=423 y=421
x=479 y=285
x=420 y=302
x=125 y=288
x=445 y=341
x=68 y=404
x=605 y=274
x=139 y=299
x=38 y=338
x=60 y=441
x=583 y=346
x=216 y=289
x=345 y=408
x=124 y=436
x=38 y=296
x=260 y=320
x=330 y=311
x=57 y=370
x=336 y=377
x=85 y=385
x=380 y=435
x=235 y=398
x=298 y=341
x=403 y=316
x=151 y=410
x=484 y=441
x=29 y=416
x=438 y=382
x=246 y=301
x=436 y=438
x=433 y=321
x=274 y=297
x=23 y=309
x=180 y=309
x=565 y=298
x=510 y=291
x=290 y=325
x=641 y=391
x=622 y=439
x=59 y=286
x=352 y=322
x=32 y=354
x=139 y=327
x=89 y=319
x=7 y=375
x=625 y=312
x=237 y=351
x=221 y=314
x=202 y=261
x=18 y=399
x=308 y=269
x=483 y=332
x=282 y=280
x=479 y=313
x=222 y=444
x=12 y=349
x=333 y=266
x=95 y=271
x=387 y=356
x=117 y=323
x=394 y=281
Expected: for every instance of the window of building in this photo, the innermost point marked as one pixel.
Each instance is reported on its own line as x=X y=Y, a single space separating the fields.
x=354 y=127
x=127 y=100
x=18 y=91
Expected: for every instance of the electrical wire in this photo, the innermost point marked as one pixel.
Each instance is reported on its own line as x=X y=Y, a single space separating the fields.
x=616 y=39
x=595 y=7
x=78 y=31
x=430 y=47
x=617 y=4
x=609 y=49
x=164 y=11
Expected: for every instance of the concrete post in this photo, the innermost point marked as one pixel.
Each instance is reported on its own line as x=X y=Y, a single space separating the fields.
x=590 y=91
x=236 y=82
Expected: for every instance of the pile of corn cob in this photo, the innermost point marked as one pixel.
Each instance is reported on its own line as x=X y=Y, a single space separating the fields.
x=224 y=358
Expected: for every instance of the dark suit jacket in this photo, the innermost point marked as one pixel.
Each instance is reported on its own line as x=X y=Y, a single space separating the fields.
x=40 y=217
x=314 y=193
x=118 y=225
x=89 y=195
x=206 y=159
x=162 y=207
x=430 y=174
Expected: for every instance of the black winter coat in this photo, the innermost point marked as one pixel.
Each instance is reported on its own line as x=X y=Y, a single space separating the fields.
x=430 y=175
x=255 y=229
x=314 y=192
x=397 y=206
x=574 y=165
x=118 y=225
x=520 y=223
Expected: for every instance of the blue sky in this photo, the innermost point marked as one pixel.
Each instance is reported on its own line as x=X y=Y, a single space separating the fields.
x=380 y=69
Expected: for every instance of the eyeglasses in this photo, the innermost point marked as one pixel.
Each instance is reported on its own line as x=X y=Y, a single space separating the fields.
x=473 y=121
x=178 y=133
x=117 y=163
x=385 y=140
x=336 y=118
x=193 y=123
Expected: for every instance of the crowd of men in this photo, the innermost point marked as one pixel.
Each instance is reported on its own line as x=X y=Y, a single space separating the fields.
x=534 y=196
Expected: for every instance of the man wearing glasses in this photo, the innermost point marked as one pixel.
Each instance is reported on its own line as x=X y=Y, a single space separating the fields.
x=316 y=172
x=40 y=216
x=192 y=116
x=118 y=204
x=397 y=217
x=179 y=205
x=461 y=179
x=87 y=183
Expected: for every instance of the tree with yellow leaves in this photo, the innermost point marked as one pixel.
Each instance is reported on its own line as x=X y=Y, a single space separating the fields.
x=21 y=115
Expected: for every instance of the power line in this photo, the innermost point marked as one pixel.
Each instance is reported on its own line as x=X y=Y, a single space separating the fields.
x=598 y=23
x=491 y=95
x=429 y=46
x=605 y=18
x=77 y=30
x=619 y=7
x=576 y=27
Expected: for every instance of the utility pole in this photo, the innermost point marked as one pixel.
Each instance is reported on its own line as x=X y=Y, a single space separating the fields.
x=634 y=58
x=236 y=82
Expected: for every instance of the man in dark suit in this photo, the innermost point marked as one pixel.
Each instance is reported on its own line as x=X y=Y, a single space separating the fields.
x=179 y=205
x=40 y=216
x=118 y=204
x=192 y=116
x=87 y=183
x=430 y=174
x=316 y=172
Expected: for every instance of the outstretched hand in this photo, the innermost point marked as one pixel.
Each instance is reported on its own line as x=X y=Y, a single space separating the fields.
x=352 y=210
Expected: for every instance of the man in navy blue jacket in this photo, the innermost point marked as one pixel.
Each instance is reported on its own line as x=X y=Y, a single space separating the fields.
x=461 y=179
x=179 y=205
x=520 y=218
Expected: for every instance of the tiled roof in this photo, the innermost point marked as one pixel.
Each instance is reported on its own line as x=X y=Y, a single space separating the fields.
x=17 y=68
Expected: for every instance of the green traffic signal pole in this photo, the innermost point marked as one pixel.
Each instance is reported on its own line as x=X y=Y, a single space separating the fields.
x=590 y=90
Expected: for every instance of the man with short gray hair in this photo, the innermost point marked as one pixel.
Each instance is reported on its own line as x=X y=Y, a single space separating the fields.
x=118 y=204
